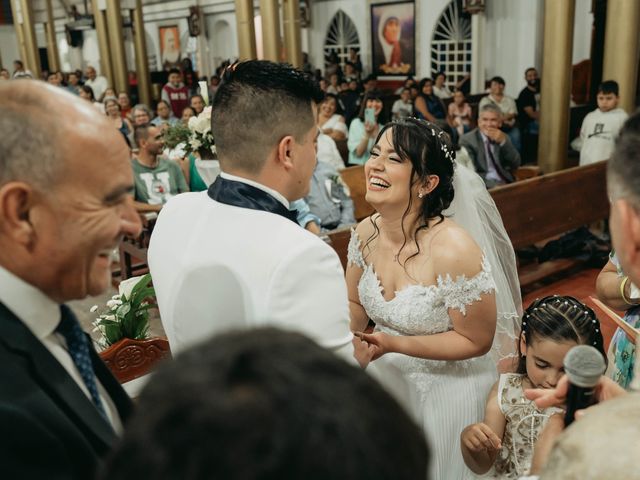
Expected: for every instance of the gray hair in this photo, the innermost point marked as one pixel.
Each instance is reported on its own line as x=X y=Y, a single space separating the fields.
x=491 y=107
x=623 y=175
x=29 y=144
x=144 y=108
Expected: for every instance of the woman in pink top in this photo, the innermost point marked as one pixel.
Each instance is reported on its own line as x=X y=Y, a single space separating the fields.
x=459 y=117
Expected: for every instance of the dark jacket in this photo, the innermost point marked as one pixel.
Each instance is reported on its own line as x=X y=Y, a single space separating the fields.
x=48 y=427
x=506 y=156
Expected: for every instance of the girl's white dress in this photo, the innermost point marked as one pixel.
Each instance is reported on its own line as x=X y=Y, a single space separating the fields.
x=450 y=394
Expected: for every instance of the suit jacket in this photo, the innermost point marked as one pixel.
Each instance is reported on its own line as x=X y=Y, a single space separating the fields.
x=507 y=157
x=48 y=427
x=217 y=266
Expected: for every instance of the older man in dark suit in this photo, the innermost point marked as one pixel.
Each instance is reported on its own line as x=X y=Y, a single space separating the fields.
x=65 y=202
x=494 y=156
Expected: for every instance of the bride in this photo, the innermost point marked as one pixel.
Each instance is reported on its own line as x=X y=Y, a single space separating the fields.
x=430 y=285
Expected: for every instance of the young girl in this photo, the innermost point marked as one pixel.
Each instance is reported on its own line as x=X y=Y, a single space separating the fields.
x=505 y=440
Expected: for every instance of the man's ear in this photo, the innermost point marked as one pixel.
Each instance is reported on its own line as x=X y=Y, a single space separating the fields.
x=285 y=152
x=629 y=227
x=16 y=201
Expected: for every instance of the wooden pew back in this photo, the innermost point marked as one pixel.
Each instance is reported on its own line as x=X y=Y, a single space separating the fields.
x=541 y=207
x=353 y=177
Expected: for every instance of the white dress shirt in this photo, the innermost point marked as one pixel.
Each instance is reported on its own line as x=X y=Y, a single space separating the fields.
x=41 y=316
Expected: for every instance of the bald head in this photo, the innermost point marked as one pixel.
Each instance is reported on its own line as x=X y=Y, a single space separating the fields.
x=37 y=121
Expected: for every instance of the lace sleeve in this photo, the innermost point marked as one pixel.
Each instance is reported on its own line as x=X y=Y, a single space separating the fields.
x=463 y=291
x=354 y=255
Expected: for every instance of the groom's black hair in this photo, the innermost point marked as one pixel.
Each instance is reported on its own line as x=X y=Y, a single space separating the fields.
x=267 y=404
x=256 y=105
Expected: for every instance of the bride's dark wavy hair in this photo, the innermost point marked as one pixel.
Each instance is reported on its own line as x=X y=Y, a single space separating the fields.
x=430 y=151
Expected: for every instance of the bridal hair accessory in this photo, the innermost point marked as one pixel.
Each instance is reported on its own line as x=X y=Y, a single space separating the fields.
x=443 y=146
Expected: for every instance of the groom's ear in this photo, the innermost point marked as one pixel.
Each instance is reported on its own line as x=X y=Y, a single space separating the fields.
x=284 y=152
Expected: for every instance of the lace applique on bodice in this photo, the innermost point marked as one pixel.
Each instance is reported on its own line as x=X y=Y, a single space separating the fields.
x=418 y=310
x=524 y=424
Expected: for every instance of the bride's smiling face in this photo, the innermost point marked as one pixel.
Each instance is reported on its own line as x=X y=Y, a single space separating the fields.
x=389 y=176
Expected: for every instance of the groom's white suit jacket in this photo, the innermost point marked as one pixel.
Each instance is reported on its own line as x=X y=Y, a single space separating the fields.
x=217 y=267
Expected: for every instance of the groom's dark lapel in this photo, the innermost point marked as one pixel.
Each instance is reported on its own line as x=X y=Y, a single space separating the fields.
x=243 y=195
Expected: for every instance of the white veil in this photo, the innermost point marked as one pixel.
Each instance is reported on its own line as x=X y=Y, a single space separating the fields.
x=474 y=210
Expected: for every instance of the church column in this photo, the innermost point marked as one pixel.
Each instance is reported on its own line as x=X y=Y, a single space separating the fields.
x=142 y=63
x=31 y=44
x=100 y=20
x=17 y=23
x=52 y=45
x=621 y=49
x=556 y=84
x=271 y=29
x=292 y=34
x=246 y=30
x=478 y=22
x=116 y=42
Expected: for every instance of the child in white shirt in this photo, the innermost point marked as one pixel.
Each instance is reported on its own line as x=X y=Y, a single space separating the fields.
x=600 y=127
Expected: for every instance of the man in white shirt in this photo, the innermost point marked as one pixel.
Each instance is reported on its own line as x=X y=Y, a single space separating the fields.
x=234 y=256
x=64 y=206
x=98 y=83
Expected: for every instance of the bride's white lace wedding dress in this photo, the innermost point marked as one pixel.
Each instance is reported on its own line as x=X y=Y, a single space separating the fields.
x=450 y=394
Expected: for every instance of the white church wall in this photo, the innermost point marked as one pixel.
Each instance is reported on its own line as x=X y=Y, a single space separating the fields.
x=513 y=40
x=427 y=15
x=9 y=50
x=222 y=37
x=582 y=30
x=321 y=15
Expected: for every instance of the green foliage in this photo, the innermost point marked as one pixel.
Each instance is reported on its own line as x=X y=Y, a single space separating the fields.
x=128 y=317
x=176 y=134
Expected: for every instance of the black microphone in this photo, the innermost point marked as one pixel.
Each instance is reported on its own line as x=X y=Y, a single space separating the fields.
x=583 y=366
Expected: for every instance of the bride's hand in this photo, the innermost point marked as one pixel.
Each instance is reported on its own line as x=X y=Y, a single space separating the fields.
x=378 y=341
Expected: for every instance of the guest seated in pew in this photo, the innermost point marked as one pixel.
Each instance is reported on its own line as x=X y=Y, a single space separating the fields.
x=328 y=198
x=494 y=156
x=623 y=181
x=551 y=326
x=304 y=217
x=507 y=106
x=66 y=201
x=618 y=292
x=365 y=127
x=157 y=178
x=267 y=404
x=330 y=122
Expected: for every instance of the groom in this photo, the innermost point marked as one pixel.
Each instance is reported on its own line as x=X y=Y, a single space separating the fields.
x=234 y=256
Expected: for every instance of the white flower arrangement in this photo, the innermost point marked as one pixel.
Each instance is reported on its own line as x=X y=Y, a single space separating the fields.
x=127 y=313
x=201 y=136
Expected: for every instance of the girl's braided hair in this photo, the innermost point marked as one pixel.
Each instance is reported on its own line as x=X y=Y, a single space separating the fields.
x=560 y=318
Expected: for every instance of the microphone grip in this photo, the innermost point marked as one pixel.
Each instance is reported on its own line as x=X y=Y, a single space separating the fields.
x=577 y=399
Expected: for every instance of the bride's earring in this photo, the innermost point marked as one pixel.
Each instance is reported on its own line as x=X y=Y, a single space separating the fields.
x=420 y=195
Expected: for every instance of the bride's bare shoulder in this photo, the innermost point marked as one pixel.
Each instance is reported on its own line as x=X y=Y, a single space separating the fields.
x=454 y=251
x=366 y=228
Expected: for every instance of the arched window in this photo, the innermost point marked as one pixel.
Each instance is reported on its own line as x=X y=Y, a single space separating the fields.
x=341 y=36
x=451 y=44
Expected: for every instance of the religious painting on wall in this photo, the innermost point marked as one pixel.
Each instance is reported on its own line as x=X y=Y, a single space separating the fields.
x=169 y=46
x=393 y=38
